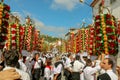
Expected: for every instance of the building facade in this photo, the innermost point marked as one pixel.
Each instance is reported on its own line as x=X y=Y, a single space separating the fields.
x=112 y=5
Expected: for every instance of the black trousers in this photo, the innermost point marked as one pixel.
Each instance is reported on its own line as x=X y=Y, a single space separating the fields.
x=75 y=76
x=36 y=74
x=67 y=74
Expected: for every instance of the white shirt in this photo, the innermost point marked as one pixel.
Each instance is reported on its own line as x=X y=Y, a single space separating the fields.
x=67 y=63
x=89 y=71
x=22 y=65
x=77 y=66
x=37 y=64
x=43 y=59
x=57 y=69
x=24 y=75
x=112 y=75
x=48 y=73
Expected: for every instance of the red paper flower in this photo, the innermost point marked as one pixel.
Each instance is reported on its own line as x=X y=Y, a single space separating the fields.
x=13 y=38
x=6 y=16
x=108 y=16
x=112 y=37
x=4 y=30
x=97 y=17
x=97 y=31
x=109 y=30
x=98 y=38
x=5 y=23
x=112 y=44
x=108 y=22
x=6 y=7
x=112 y=51
x=4 y=37
x=91 y=48
x=13 y=26
x=91 y=43
x=13 y=44
x=98 y=45
x=13 y=32
x=97 y=24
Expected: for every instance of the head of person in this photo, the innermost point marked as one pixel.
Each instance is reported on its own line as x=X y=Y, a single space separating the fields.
x=70 y=56
x=85 y=58
x=37 y=55
x=48 y=62
x=11 y=57
x=107 y=64
x=88 y=62
x=77 y=57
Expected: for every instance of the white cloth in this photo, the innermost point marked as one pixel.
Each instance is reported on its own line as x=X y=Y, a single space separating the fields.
x=77 y=66
x=29 y=65
x=43 y=59
x=22 y=65
x=24 y=75
x=112 y=75
x=67 y=63
x=89 y=72
x=48 y=73
x=82 y=60
x=57 y=69
x=37 y=64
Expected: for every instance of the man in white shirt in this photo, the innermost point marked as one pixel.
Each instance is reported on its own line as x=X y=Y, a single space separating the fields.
x=36 y=67
x=22 y=65
x=11 y=59
x=67 y=66
x=89 y=71
x=58 y=66
x=77 y=68
x=109 y=74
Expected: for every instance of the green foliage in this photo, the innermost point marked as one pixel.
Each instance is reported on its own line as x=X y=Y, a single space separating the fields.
x=49 y=38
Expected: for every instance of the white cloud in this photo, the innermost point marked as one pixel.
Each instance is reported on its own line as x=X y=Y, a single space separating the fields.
x=64 y=4
x=58 y=31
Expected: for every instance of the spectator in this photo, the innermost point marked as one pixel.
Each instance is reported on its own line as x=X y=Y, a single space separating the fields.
x=8 y=75
x=11 y=61
x=109 y=74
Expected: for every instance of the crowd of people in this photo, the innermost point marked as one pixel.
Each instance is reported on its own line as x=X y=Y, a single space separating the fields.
x=48 y=66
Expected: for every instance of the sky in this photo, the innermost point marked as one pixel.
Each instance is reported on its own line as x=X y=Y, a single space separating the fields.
x=53 y=17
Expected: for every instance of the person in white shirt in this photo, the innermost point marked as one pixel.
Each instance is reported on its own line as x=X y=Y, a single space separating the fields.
x=11 y=61
x=77 y=68
x=36 y=67
x=68 y=67
x=118 y=71
x=109 y=74
x=43 y=59
x=58 y=66
x=9 y=74
x=48 y=71
x=22 y=65
x=89 y=71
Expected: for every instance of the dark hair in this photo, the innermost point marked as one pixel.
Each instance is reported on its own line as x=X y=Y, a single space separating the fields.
x=11 y=57
x=37 y=54
x=88 y=62
x=48 y=61
x=110 y=62
x=77 y=57
x=69 y=54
